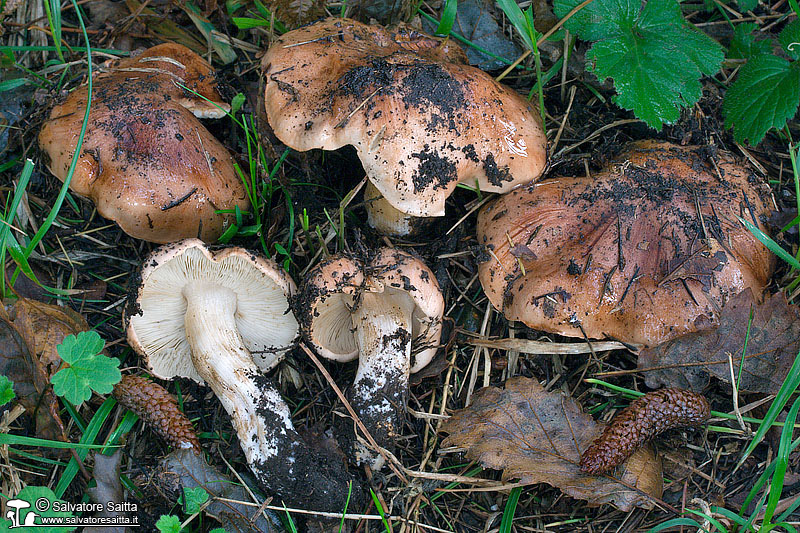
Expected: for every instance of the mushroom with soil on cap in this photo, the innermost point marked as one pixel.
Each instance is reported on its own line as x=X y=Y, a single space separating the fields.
x=421 y=120
x=636 y=253
x=387 y=312
x=146 y=161
x=222 y=318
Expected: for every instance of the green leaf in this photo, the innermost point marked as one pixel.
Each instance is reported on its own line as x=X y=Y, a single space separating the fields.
x=517 y=18
x=448 y=17
x=88 y=370
x=6 y=390
x=744 y=44
x=653 y=56
x=40 y=502
x=9 y=85
x=86 y=344
x=193 y=499
x=790 y=39
x=601 y=19
x=223 y=49
x=765 y=95
x=245 y=23
x=217 y=530
x=169 y=524
x=236 y=105
x=747 y=5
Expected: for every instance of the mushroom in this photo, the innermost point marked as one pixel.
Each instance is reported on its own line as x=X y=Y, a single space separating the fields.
x=222 y=318
x=146 y=161
x=636 y=253
x=421 y=120
x=378 y=312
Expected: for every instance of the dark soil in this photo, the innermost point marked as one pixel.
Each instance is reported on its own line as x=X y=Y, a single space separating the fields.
x=98 y=263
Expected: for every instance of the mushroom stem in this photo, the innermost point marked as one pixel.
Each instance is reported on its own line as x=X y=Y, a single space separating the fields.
x=382 y=325
x=259 y=414
x=386 y=219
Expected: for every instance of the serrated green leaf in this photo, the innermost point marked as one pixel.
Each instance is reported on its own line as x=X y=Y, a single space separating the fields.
x=790 y=39
x=653 y=56
x=193 y=499
x=601 y=19
x=6 y=390
x=744 y=44
x=72 y=385
x=169 y=524
x=87 y=343
x=765 y=95
x=40 y=501
x=88 y=370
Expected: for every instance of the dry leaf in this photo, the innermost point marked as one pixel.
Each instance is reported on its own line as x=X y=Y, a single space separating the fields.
x=537 y=437
x=296 y=13
x=690 y=361
x=108 y=489
x=29 y=333
x=183 y=468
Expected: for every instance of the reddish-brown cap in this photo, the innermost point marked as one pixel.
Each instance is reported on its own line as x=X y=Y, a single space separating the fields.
x=637 y=252
x=146 y=161
x=421 y=120
x=190 y=79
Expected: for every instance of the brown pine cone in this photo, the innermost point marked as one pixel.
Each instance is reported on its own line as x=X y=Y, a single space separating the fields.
x=157 y=408
x=643 y=419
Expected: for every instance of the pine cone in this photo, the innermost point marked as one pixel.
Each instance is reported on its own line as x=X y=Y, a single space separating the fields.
x=157 y=408
x=643 y=419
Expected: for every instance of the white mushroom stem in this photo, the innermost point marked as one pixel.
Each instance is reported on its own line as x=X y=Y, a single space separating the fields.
x=259 y=414
x=386 y=219
x=382 y=325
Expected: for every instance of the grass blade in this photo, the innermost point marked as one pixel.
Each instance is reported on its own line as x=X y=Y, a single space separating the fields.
x=788 y=388
x=448 y=17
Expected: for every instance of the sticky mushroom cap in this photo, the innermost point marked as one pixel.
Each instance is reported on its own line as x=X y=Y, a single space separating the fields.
x=146 y=161
x=180 y=74
x=637 y=252
x=421 y=120
x=154 y=317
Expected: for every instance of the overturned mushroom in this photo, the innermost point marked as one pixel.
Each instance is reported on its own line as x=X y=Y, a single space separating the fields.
x=222 y=318
x=421 y=120
x=146 y=161
x=637 y=252
x=377 y=312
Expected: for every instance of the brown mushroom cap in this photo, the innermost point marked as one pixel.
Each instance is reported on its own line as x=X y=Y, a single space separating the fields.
x=636 y=253
x=180 y=66
x=146 y=161
x=420 y=119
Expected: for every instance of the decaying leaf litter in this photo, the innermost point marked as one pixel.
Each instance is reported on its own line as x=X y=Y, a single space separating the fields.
x=84 y=248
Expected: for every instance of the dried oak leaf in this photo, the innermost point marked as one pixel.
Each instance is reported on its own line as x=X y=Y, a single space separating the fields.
x=537 y=437
x=30 y=331
x=296 y=13
x=690 y=361
x=108 y=490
